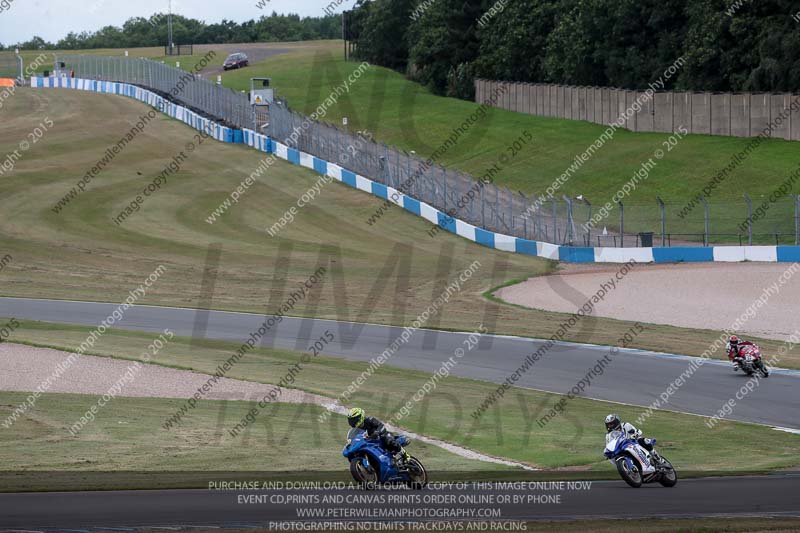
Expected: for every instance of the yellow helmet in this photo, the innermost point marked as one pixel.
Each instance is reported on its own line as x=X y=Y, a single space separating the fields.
x=356 y=417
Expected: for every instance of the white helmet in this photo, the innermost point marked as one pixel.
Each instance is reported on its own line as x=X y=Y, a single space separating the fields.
x=613 y=422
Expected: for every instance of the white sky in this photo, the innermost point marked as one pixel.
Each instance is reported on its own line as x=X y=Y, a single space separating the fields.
x=53 y=19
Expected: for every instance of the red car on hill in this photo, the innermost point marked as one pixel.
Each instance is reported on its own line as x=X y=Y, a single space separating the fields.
x=237 y=60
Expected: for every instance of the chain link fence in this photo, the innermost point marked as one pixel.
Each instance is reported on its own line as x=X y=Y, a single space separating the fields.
x=772 y=220
x=479 y=203
x=749 y=222
x=202 y=96
x=11 y=66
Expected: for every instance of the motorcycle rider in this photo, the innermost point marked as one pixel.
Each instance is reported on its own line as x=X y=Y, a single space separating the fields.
x=734 y=344
x=375 y=428
x=614 y=423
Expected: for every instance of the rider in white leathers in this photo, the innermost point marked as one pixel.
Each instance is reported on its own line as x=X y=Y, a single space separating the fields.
x=613 y=423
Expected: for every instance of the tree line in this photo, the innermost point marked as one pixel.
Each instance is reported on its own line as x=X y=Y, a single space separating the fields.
x=142 y=32
x=727 y=45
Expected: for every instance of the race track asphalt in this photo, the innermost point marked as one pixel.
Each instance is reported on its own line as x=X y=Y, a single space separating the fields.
x=774 y=495
x=632 y=377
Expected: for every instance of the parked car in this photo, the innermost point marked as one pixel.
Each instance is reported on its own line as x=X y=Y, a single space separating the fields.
x=237 y=60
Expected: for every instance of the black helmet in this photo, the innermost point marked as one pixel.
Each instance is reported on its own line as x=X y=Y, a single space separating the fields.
x=613 y=423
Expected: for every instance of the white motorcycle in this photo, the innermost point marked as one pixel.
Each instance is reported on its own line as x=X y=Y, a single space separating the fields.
x=635 y=464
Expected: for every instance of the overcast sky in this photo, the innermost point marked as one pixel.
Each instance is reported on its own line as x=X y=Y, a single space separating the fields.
x=53 y=19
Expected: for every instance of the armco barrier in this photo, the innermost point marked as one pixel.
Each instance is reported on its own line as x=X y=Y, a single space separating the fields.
x=217 y=131
x=468 y=231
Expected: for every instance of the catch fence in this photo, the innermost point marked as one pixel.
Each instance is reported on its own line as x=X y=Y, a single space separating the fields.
x=559 y=220
x=186 y=87
x=11 y=66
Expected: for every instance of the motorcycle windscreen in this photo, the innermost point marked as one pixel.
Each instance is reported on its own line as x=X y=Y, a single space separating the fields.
x=613 y=439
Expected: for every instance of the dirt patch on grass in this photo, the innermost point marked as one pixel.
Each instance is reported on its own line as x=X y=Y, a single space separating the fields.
x=26 y=368
x=701 y=296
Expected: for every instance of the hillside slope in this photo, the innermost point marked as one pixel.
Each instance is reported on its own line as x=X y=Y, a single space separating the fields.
x=404 y=114
x=389 y=273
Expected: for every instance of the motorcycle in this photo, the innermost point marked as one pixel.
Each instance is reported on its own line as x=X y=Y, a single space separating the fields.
x=370 y=463
x=750 y=360
x=635 y=464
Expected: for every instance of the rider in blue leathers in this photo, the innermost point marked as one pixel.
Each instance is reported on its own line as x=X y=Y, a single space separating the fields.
x=376 y=429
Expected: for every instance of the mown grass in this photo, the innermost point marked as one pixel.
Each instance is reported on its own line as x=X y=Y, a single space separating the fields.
x=155 y=53
x=508 y=429
x=30 y=56
x=385 y=274
x=126 y=437
x=197 y=62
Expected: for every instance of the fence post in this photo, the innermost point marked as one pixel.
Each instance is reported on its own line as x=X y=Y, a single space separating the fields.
x=621 y=224
x=496 y=208
x=338 y=148
x=797 y=219
x=525 y=215
x=663 y=220
x=388 y=167
x=749 y=220
x=432 y=181
x=483 y=208
x=471 y=210
x=539 y=221
x=555 y=227
x=397 y=173
x=255 y=118
x=705 y=216
x=511 y=210
x=588 y=222
x=570 y=237
x=445 y=189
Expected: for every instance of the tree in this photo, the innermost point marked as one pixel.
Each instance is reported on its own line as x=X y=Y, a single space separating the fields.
x=152 y=31
x=444 y=42
x=383 y=33
x=514 y=42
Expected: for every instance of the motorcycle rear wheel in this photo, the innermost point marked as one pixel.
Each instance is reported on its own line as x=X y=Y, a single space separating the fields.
x=631 y=477
x=418 y=476
x=360 y=473
x=673 y=475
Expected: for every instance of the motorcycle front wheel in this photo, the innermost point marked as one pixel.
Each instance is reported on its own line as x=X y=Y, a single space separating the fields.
x=632 y=477
x=670 y=477
x=360 y=473
x=418 y=476
x=763 y=369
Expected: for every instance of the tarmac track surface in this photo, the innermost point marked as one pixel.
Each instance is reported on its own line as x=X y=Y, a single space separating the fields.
x=774 y=495
x=633 y=377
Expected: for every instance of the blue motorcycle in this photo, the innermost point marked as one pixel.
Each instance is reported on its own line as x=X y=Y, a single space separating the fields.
x=370 y=463
x=635 y=464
